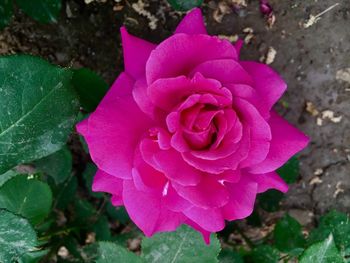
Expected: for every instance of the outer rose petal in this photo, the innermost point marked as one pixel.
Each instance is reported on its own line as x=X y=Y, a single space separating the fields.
x=147 y=211
x=286 y=142
x=210 y=219
x=192 y=23
x=173 y=201
x=207 y=194
x=113 y=132
x=224 y=70
x=136 y=52
x=139 y=93
x=104 y=182
x=181 y=53
x=117 y=200
x=268 y=83
x=242 y=199
x=205 y=233
x=269 y=181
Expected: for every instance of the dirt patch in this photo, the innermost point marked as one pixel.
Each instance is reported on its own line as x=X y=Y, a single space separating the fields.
x=313 y=60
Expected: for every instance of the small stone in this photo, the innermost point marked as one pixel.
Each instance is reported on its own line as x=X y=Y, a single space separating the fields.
x=318 y=171
x=315 y=180
x=63 y=252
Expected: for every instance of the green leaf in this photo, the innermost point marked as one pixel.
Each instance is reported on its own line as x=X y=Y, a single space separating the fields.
x=90 y=87
x=336 y=223
x=16 y=237
x=322 y=252
x=38 y=108
x=288 y=234
x=88 y=175
x=184 y=5
x=65 y=193
x=7 y=176
x=229 y=256
x=118 y=213
x=263 y=254
x=44 y=11
x=254 y=219
x=57 y=165
x=290 y=171
x=84 y=211
x=33 y=257
x=27 y=197
x=102 y=229
x=270 y=200
x=107 y=252
x=182 y=246
x=6 y=12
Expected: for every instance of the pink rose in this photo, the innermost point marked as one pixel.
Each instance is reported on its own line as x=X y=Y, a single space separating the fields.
x=187 y=134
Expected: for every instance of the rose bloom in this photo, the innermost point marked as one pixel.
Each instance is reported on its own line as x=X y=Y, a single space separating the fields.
x=187 y=134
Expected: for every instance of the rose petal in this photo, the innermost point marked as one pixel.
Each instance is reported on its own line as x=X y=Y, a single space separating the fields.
x=267 y=82
x=269 y=181
x=113 y=132
x=173 y=201
x=174 y=53
x=117 y=200
x=139 y=93
x=249 y=94
x=136 y=52
x=192 y=23
x=286 y=142
x=147 y=212
x=224 y=70
x=260 y=133
x=146 y=178
x=210 y=219
x=209 y=193
x=205 y=233
x=173 y=167
x=169 y=93
x=242 y=199
x=104 y=182
x=218 y=166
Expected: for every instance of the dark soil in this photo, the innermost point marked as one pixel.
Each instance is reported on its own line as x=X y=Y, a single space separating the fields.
x=314 y=61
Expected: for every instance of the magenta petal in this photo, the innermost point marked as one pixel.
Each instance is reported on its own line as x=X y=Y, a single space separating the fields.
x=267 y=82
x=192 y=23
x=174 y=201
x=224 y=70
x=174 y=53
x=218 y=166
x=207 y=194
x=260 y=133
x=104 y=182
x=117 y=200
x=139 y=93
x=205 y=233
x=242 y=199
x=174 y=167
x=115 y=128
x=286 y=142
x=210 y=219
x=249 y=94
x=147 y=212
x=269 y=181
x=82 y=127
x=136 y=53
